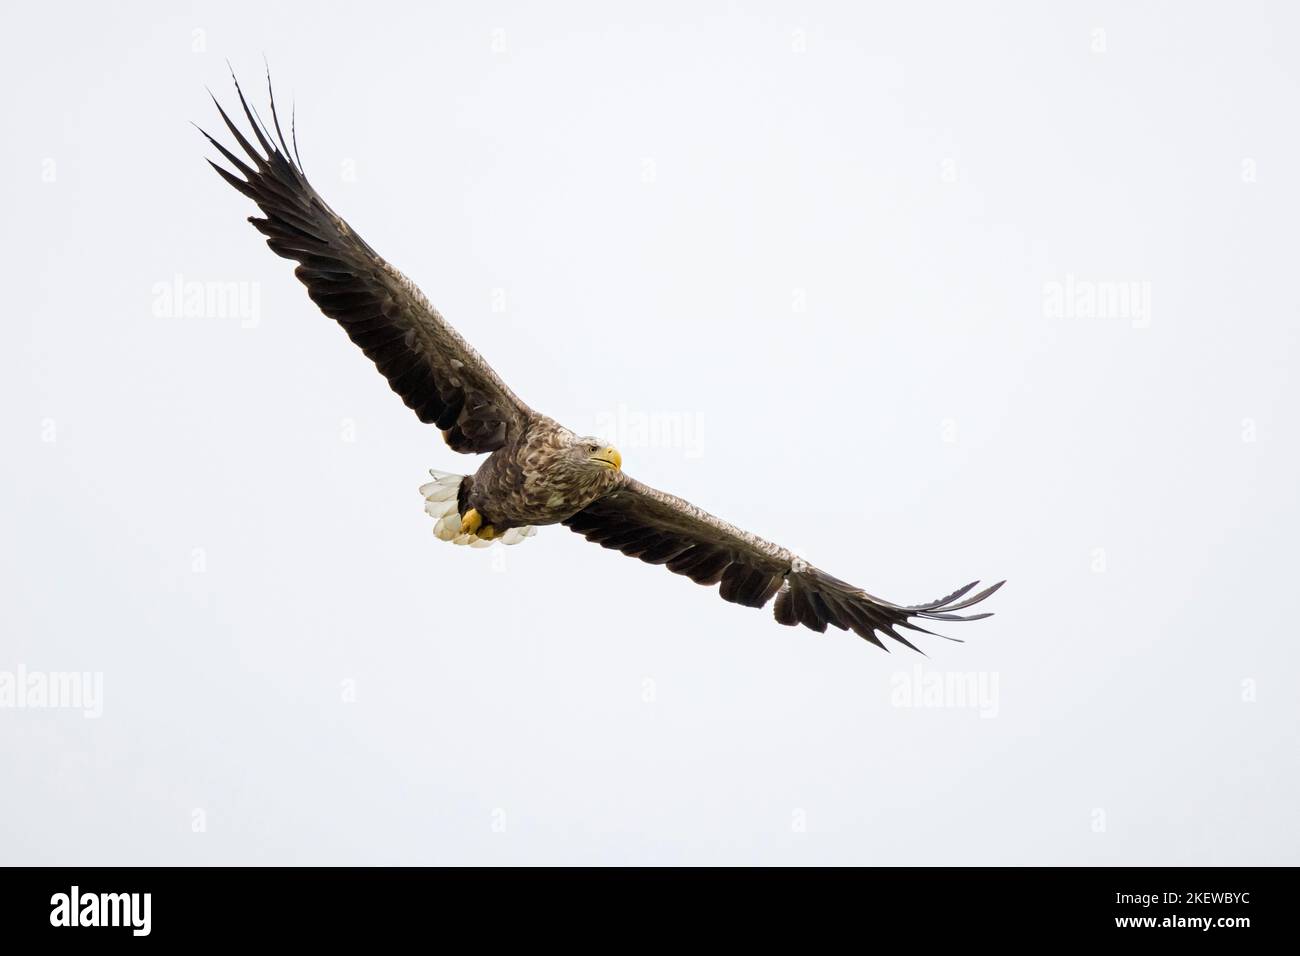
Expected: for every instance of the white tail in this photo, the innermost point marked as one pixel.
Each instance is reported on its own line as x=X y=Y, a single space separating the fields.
x=441 y=502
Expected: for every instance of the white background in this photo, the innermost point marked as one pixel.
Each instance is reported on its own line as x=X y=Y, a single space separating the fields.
x=822 y=239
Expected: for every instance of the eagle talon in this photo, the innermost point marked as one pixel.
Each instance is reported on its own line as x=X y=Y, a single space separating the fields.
x=487 y=533
x=471 y=522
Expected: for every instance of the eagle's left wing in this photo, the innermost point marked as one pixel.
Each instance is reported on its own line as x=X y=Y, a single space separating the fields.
x=436 y=372
x=660 y=528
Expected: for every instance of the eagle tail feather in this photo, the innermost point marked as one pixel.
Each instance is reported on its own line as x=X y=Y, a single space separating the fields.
x=443 y=501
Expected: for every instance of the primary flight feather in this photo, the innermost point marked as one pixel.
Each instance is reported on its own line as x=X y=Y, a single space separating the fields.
x=538 y=472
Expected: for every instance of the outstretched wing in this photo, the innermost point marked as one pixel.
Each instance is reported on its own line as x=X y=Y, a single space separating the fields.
x=660 y=528
x=426 y=362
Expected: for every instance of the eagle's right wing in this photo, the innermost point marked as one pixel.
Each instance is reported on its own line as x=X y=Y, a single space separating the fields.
x=426 y=362
x=659 y=528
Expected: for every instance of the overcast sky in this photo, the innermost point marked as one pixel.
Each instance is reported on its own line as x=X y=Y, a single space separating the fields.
x=924 y=293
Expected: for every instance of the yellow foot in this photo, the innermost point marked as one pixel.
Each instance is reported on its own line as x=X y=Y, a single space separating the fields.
x=470 y=523
x=487 y=533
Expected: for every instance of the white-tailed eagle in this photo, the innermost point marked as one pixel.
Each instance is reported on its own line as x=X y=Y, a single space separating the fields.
x=537 y=472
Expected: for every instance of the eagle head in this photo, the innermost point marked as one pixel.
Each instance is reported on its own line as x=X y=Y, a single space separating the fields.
x=577 y=471
x=592 y=453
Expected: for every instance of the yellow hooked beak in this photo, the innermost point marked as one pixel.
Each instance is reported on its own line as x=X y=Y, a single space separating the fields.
x=608 y=457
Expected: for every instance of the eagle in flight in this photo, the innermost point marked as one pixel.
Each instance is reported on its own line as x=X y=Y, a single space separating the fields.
x=537 y=472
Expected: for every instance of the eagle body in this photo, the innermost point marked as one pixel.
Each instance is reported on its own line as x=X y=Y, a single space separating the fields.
x=537 y=472
x=537 y=478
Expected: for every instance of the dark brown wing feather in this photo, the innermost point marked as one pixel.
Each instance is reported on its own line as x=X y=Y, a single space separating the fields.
x=426 y=362
x=660 y=528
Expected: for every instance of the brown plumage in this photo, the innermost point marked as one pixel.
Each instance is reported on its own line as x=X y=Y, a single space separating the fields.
x=537 y=472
